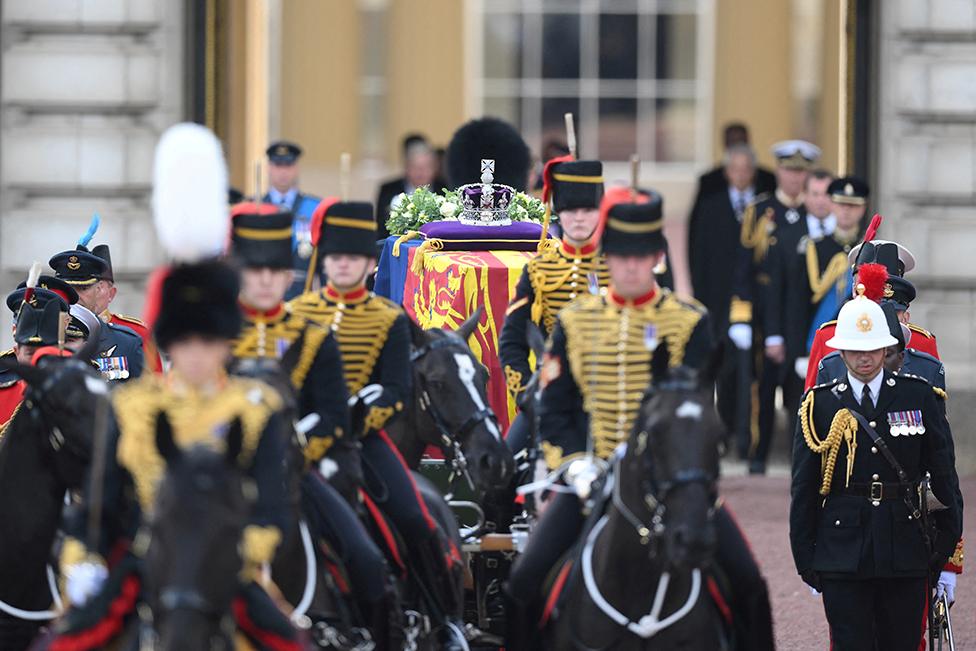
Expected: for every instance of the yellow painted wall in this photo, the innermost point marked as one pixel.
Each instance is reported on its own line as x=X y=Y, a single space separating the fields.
x=829 y=111
x=752 y=71
x=425 y=75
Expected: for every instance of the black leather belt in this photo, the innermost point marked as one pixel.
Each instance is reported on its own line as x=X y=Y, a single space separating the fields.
x=877 y=491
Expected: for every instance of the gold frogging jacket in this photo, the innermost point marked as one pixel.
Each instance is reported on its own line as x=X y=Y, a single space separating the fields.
x=134 y=467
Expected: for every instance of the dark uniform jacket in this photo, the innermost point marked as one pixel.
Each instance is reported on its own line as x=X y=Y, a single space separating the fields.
x=916 y=362
x=807 y=273
x=767 y=223
x=374 y=341
x=548 y=283
x=316 y=377
x=134 y=466
x=598 y=367
x=120 y=354
x=713 y=236
x=843 y=534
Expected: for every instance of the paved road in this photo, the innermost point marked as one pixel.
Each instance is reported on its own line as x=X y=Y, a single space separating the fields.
x=762 y=507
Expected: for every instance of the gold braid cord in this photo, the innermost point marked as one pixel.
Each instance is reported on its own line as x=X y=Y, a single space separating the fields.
x=940 y=393
x=832 y=275
x=843 y=428
x=756 y=231
x=513 y=380
x=314 y=336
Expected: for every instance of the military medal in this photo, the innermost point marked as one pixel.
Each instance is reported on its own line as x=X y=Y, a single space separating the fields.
x=792 y=216
x=113 y=368
x=593 y=282
x=305 y=249
x=650 y=337
x=281 y=345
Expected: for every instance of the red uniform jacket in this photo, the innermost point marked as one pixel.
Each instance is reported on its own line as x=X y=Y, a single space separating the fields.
x=153 y=361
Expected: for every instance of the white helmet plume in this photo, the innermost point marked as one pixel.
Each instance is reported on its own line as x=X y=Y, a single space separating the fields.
x=190 y=193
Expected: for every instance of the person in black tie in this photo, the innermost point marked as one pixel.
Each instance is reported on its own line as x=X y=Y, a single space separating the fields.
x=420 y=168
x=713 y=232
x=862 y=446
x=283 y=173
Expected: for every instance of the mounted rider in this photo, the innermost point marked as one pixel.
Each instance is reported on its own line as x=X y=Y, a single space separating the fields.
x=558 y=274
x=594 y=375
x=261 y=242
x=374 y=339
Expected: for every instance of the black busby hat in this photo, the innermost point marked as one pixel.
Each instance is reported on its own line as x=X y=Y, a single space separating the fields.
x=345 y=227
x=261 y=236
x=40 y=325
x=46 y=285
x=198 y=299
x=577 y=184
x=283 y=152
x=849 y=190
x=79 y=268
x=632 y=227
x=488 y=139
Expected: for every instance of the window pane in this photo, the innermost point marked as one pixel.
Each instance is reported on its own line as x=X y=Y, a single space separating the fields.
x=675 y=130
x=618 y=46
x=503 y=45
x=618 y=128
x=676 y=46
x=554 y=110
x=560 y=46
x=506 y=108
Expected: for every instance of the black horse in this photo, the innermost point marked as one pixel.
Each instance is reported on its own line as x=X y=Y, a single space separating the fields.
x=639 y=581
x=43 y=453
x=450 y=410
x=192 y=568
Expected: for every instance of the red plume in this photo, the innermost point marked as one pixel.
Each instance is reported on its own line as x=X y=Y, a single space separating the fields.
x=319 y=216
x=547 y=174
x=873 y=276
x=873 y=227
x=252 y=208
x=615 y=195
x=154 y=295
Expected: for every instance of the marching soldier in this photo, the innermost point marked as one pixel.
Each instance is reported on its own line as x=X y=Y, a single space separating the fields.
x=120 y=352
x=558 y=274
x=777 y=219
x=595 y=372
x=198 y=320
x=857 y=528
x=897 y=261
x=283 y=173
x=374 y=339
x=261 y=243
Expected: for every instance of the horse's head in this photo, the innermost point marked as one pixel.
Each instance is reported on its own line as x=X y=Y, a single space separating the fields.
x=192 y=562
x=66 y=400
x=451 y=387
x=672 y=464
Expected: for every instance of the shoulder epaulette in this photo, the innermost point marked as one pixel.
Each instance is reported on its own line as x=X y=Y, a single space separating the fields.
x=921 y=331
x=7 y=353
x=759 y=198
x=911 y=376
x=129 y=319
x=827 y=324
x=689 y=302
x=123 y=329
x=921 y=354
x=940 y=393
x=826 y=385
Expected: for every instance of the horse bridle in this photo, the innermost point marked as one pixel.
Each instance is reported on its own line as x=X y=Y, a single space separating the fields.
x=655 y=493
x=449 y=442
x=33 y=402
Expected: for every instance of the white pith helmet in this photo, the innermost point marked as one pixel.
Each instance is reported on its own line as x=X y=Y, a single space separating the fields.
x=861 y=325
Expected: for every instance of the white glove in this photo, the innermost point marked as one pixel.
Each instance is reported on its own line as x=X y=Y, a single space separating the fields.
x=741 y=335
x=328 y=467
x=368 y=394
x=947 y=584
x=84 y=580
x=800 y=366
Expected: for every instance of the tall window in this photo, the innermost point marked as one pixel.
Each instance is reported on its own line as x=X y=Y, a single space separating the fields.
x=628 y=70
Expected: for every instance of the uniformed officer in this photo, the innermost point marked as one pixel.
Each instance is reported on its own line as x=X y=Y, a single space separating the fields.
x=594 y=374
x=283 y=173
x=374 y=340
x=560 y=273
x=120 y=352
x=896 y=261
x=773 y=220
x=153 y=361
x=261 y=242
x=863 y=443
x=198 y=319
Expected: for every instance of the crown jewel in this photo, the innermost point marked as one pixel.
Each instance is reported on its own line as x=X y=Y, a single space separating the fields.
x=486 y=203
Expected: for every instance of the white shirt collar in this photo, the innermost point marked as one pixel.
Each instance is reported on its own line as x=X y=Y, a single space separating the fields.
x=821 y=227
x=874 y=385
x=748 y=194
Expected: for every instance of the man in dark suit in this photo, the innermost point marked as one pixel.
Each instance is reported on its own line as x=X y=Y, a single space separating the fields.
x=420 y=166
x=713 y=232
x=715 y=180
